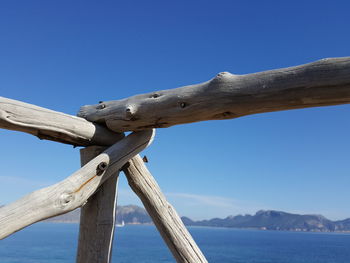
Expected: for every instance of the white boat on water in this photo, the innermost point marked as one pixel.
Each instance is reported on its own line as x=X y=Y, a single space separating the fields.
x=120 y=225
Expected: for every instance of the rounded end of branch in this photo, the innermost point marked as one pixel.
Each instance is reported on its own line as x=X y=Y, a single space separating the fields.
x=84 y=112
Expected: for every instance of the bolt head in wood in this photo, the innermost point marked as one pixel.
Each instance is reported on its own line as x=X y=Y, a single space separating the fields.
x=101 y=168
x=183 y=104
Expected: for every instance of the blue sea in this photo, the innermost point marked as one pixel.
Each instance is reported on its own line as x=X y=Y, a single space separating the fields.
x=57 y=243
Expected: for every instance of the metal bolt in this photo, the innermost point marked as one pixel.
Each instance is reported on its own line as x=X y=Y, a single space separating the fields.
x=101 y=168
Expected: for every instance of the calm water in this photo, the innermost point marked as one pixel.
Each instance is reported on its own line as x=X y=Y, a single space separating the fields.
x=56 y=243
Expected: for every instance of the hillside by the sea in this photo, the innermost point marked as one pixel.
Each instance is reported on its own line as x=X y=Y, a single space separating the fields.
x=264 y=220
x=130 y=214
x=275 y=220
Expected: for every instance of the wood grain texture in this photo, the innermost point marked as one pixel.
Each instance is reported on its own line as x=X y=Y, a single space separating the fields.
x=322 y=83
x=167 y=221
x=74 y=191
x=97 y=217
x=53 y=125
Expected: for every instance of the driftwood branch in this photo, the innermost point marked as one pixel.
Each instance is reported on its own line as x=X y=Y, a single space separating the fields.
x=168 y=222
x=97 y=217
x=322 y=83
x=53 y=125
x=72 y=192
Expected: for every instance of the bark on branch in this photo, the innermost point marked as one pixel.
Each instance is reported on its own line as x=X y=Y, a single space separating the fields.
x=322 y=83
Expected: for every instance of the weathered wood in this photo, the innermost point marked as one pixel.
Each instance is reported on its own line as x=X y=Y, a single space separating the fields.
x=53 y=125
x=227 y=96
x=97 y=217
x=168 y=222
x=72 y=192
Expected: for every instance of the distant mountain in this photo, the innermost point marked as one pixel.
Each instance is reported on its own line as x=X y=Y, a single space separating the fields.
x=343 y=225
x=263 y=219
x=275 y=220
x=133 y=214
x=130 y=214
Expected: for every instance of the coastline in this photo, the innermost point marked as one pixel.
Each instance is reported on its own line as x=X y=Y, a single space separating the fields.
x=218 y=227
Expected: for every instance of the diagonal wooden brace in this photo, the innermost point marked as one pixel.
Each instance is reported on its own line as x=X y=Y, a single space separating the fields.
x=72 y=192
x=168 y=222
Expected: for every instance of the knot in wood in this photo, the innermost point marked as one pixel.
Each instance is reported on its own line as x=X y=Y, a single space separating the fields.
x=222 y=77
x=101 y=106
x=129 y=113
x=66 y=198
x=154 y=96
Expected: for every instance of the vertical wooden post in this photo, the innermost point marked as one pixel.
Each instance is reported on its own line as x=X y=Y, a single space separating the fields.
x=97 y=219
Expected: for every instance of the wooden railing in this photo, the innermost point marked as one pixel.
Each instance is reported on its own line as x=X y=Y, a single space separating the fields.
x=99 y=128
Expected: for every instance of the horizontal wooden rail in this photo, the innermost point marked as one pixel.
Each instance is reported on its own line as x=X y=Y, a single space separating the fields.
x=52 y=125
x=227 y=96
x=74 y=191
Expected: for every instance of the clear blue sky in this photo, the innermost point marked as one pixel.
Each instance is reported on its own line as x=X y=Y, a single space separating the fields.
x=64 y=54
